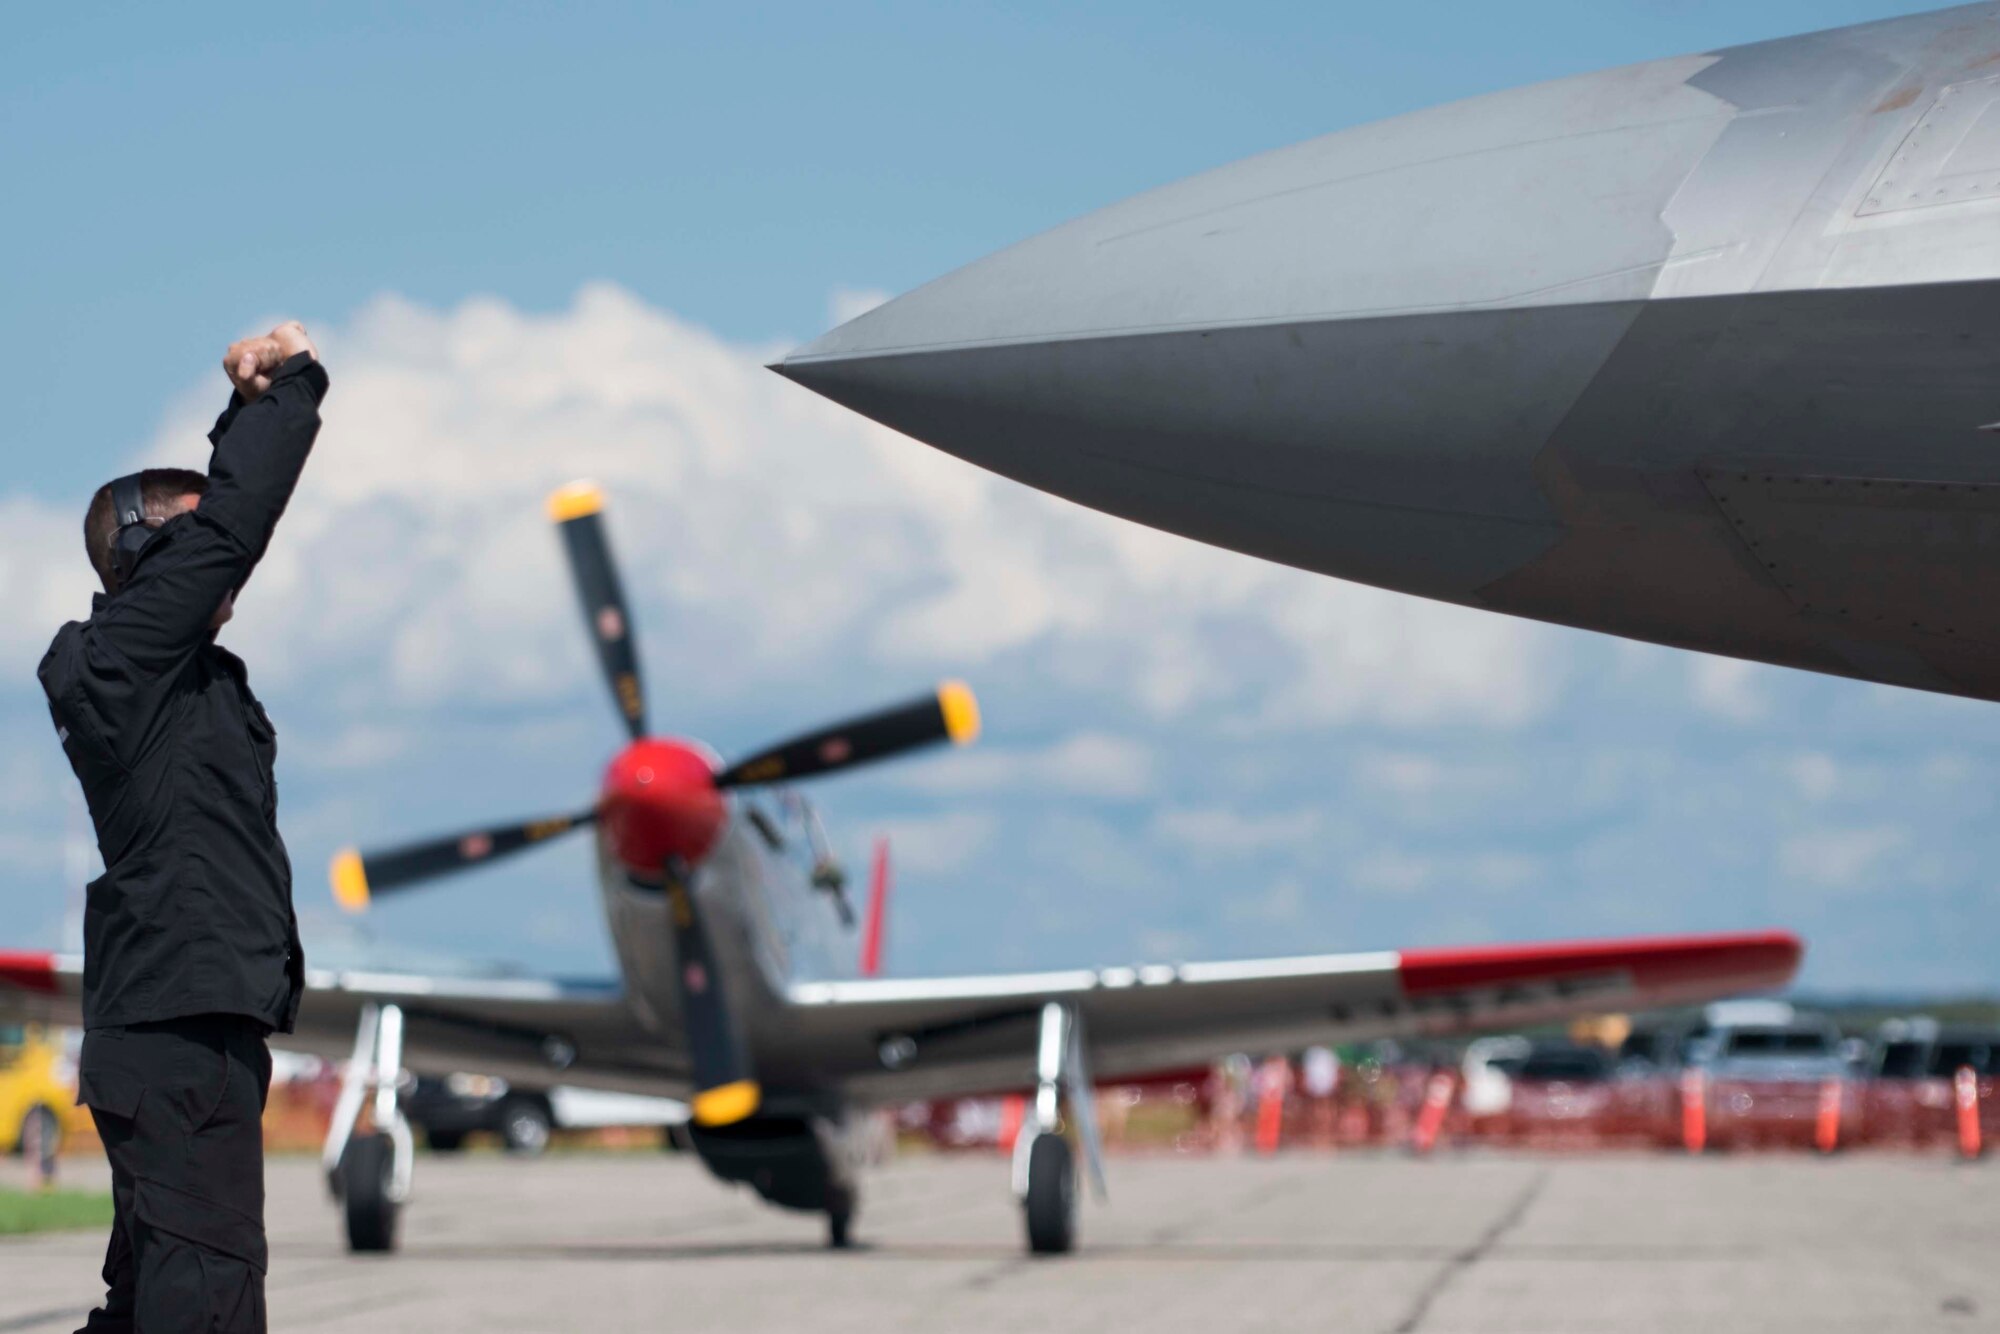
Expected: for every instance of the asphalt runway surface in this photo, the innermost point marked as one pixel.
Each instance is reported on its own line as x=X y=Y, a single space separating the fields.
x=643 y=1241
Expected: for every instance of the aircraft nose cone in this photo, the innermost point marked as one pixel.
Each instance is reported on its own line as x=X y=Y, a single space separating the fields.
x=1343 y=355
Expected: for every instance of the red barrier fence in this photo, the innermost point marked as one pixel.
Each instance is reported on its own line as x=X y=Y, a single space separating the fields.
x=1697 y=1114
x=1425 y=1110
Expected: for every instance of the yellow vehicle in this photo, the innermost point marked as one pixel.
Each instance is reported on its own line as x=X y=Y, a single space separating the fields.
x=37 y=1086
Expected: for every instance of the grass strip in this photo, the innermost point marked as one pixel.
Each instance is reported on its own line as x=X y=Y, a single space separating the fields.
x=52 y=1211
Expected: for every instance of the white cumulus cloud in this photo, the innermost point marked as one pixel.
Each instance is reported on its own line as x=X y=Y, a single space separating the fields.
x=1814 y=773
x=851 y=303
x=937 y=845
x=763 y=531
x=1219 y=831
x=1094 y=764
x=1840 y=858
x=1728 y=687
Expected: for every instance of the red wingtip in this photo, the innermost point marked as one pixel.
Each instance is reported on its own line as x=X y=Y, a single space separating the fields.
x=1740 y=961
x=28 y=971
x=878 y=907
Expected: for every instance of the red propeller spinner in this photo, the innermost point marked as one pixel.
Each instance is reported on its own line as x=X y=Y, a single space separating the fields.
x=660 y=804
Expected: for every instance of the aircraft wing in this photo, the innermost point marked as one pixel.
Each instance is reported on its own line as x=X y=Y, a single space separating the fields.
x=888 y=1039
x=946 y=1036
x=530 y=1030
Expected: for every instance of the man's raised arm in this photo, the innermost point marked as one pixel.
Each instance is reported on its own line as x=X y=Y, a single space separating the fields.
x=262 y=440
x=180 y=589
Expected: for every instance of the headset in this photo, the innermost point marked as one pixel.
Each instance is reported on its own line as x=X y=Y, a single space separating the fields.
x=128 y=503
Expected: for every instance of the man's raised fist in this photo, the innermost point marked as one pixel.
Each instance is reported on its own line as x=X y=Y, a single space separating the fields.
x=249 y=362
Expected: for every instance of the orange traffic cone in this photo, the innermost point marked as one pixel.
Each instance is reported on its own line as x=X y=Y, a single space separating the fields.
x=1272 y=1081
x=1965 y=1093
x=1694 y=1111
x=1013 y=1111
x=1437 y=1102
x=1826 y=1126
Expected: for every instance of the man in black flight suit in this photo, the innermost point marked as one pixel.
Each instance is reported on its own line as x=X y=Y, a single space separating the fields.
x=191 y=950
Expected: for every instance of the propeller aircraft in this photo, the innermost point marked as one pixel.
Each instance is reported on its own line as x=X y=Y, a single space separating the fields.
x=739 y=991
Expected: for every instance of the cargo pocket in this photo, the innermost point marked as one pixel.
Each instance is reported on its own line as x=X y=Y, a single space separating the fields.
x=204 y=1223
x=104 y=1088
x=204 y=1073
x=191 y=1287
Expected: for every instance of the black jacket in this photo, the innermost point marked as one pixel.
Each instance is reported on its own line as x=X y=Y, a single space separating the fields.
x=193 y=914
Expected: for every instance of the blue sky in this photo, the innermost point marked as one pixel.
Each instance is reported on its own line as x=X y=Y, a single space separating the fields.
x=542 y=240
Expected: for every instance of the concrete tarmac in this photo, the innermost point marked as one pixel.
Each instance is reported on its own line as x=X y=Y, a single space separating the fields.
x=642 y=1241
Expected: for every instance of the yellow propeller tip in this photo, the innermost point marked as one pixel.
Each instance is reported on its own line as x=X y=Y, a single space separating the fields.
x=575 y=501
x=726 y=1104
x=961 y=711
x=350 y=880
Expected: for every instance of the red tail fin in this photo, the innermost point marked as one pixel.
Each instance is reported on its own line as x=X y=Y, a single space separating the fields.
x=878 y=907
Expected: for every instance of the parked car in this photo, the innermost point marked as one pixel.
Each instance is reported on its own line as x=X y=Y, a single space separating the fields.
x=1488 y=1070
x=1901 y=1058
x=1648 y=1050
x=1766 y=1079
x=1959 y=1049
x=1563 y=1082
x=1801 y=1050
x=1910 y=1099
x=1902 y=1048
x=449 y=1108
x=1565 y=1063
x=37 y=1087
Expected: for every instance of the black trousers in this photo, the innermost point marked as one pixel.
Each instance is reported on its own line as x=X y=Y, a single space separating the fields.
x=179 y=1105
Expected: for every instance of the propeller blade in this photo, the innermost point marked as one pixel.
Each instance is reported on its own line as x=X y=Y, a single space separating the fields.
x=725 y=1086
x=357 y=877
x=577 y=510
x=951 y=714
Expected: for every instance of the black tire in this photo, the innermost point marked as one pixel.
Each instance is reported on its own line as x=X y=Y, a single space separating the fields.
x=839 y=1219
x=1051 y=1203
x=366 y=1169
x=445 y=1141
x=525 y=1124
x=40 y=1126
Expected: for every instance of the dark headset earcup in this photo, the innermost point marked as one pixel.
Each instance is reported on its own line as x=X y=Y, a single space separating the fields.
x=125 y=551
x=128 y=503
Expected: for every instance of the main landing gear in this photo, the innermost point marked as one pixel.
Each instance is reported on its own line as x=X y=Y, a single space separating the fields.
x=1049 y=1206
x=1044 y=1161
x=369 y=1174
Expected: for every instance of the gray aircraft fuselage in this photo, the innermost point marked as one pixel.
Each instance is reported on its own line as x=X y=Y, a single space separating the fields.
x=771 y=928
x=1696 y=351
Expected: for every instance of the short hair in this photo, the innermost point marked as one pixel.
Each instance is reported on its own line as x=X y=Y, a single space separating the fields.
x=160 y=490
